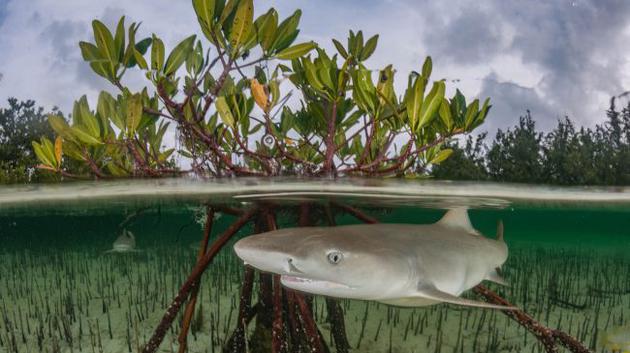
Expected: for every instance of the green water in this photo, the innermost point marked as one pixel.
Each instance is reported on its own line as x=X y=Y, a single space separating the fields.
x=569 y=265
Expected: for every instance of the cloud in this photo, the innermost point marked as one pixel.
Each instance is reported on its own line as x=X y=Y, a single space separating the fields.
x=575 y=50
x=470 y=37
x=510 y=100
x=553 y=57
x=3 y=11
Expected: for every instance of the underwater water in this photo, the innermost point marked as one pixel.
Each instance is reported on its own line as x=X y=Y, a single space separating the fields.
x=61 y=291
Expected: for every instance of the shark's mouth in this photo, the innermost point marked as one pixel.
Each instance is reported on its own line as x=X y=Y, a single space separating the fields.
x=291 y=281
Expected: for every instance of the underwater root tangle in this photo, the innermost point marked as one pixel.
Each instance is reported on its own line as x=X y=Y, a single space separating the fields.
x=185 y=290
x=547 y=336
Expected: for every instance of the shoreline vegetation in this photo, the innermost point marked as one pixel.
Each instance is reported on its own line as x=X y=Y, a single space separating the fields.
x=567 y=155
x=226 y=95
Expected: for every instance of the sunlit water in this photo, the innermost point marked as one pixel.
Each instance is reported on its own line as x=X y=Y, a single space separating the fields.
x=569 y=264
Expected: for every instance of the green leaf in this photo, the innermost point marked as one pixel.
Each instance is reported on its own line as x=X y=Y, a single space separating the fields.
x=140 y=60
x=227 y=10
x=267 y=29
x=342 y=51
x=224 y=111
x=86 y=118
x=427 y=67
x=143 y=45
x=43 y=157
x=119 y=39
x=84 y=136
x=414 y=99
x=134 y=113
x=311 y=75
x=128 y=57
x=355 y=43
x=108 y=107
x=206 y=14
x=296 y=51
x=483 y=112
x=325 y=78
x=102 y=69
x=286 y=30
x=105 y=41
x=90 y=52
x=369 y=48
x=242 y=25
x=103 y=107
x=441 y=156
x=116 y=170
x=157 y=54
x=471 y=112
x=431 y=104
x=59 y=125
x=179 y=55
x=364 y=89
x=445 y=114
x=205 y=11
x=385 y=86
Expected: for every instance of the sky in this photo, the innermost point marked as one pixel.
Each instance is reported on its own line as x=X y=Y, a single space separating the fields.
x=553 y=57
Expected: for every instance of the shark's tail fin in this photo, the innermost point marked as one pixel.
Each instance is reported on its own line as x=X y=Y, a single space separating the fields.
x=500 y=231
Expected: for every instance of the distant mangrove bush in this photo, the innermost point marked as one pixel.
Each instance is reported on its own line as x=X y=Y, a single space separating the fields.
x=226 y=95
x=566 y=155
x=21 y=123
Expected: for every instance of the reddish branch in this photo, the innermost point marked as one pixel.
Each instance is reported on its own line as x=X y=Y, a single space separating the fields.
x=237 y=342
x=277 y=325
x=335 y=312
x=330 y=141
x=368 y=141
x=357 y=213
x=195 y=275
x=310 y=328
x=190 y=306
x=547 y=336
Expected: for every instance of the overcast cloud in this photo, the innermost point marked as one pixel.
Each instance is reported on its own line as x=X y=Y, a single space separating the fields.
x=553 y=57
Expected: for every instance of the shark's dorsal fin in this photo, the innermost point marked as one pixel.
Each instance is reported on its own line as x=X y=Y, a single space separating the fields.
x=429 y=291
x=457 y=218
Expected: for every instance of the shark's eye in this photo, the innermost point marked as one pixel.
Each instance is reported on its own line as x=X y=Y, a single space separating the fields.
x=334 y=257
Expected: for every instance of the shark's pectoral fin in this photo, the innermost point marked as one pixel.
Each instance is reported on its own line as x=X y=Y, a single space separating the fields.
x=429 y=291
x=495 y=276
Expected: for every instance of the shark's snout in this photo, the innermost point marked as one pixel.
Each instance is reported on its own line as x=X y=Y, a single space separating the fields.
x=264 y=256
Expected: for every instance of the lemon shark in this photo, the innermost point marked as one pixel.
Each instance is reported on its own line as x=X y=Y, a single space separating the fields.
x=125 y=243
x=396 y=264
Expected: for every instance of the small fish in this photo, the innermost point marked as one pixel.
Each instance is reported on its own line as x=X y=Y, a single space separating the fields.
x=396 y=264
x=617 y=340
x=125 y=243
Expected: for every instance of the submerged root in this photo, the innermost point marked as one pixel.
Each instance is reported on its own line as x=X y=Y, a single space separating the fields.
x=547 y=336
x=192 y=301
x=171 y=312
